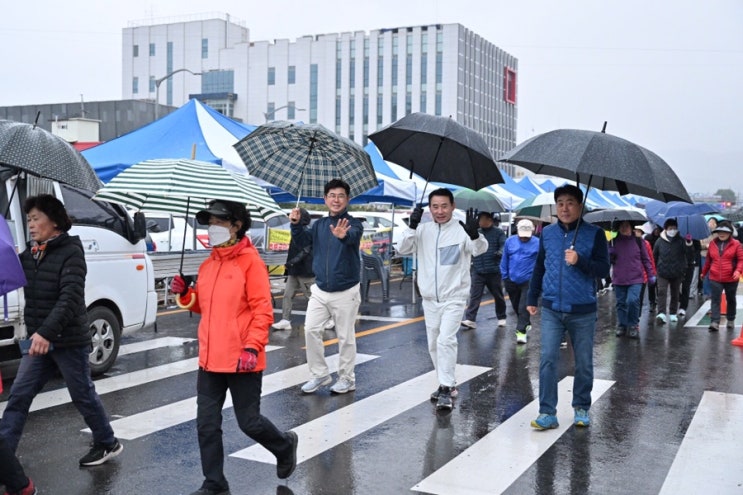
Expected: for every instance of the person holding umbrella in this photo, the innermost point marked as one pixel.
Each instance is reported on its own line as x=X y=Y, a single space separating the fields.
x=572 y=255
x=485 y=271
x=335 y=242
x=444 y=249
x=517 y=265
x=233 y=296
x=632 y=265
x=671 y=254
x=724 y=264
x=57 y=324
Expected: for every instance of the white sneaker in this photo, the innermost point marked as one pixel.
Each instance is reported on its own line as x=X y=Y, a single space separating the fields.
x=682 y=313
x=282 y=324
x=502 y=323
x=520 y=337
x=329 y=324
x=314 y=384
x=673 y=318
x=343 y=385
x=469 y=324
x=661 y=317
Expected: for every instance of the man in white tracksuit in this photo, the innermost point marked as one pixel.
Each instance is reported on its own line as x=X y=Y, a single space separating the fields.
x=444 y=249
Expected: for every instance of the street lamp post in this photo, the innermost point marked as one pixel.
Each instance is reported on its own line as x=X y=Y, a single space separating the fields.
x=269 y=115
x=158 y=82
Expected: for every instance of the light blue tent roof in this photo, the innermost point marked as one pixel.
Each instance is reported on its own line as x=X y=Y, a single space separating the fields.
x=173 y=136
x=528 y=184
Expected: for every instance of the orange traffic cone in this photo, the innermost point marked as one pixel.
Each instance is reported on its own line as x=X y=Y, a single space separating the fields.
x=739 y=340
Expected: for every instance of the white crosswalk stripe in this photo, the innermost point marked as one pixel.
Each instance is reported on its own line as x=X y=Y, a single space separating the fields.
x=154 y=420
x=151 y=344
x=513 y=446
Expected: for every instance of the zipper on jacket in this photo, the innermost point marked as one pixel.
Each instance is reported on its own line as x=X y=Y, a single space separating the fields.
x=436 y=271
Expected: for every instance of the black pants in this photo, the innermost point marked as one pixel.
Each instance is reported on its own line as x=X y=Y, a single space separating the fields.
x=517 y=295
x=493 y=282
x=245 y=389
x=11 y=472
x=686 y=287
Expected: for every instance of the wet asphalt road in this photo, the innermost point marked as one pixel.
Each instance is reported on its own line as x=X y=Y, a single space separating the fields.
x=638 y=425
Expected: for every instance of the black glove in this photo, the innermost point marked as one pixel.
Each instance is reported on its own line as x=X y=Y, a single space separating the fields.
x=415 y=217
x=471 y=224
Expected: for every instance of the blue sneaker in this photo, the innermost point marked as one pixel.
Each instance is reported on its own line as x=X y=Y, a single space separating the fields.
x=545 y=422
x=581 y=417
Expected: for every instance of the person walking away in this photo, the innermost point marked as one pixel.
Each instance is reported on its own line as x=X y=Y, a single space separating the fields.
x=299 y=274
x=651 y=238
x=444 y=249
x=671 y=255
x=646 y=281
x=686 y=284
x=519 y=256
x=632 y=266
x=233 y=296
x=485 y=272
x=724 y=265
x=335 y=241
x=564 y=276
x=57 y=324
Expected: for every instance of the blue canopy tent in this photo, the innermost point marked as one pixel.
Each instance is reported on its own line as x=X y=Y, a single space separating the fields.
x=530 y=185
x=193 y=131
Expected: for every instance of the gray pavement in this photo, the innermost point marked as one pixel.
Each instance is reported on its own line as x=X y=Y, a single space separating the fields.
x=661 y=404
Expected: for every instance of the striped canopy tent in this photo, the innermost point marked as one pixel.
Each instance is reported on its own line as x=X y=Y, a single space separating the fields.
x=182 y=187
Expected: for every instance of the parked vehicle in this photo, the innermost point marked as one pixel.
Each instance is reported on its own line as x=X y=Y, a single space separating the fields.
x=167 y=233
x=119 y=287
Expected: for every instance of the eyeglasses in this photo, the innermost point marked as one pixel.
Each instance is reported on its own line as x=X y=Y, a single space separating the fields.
x=336 y=196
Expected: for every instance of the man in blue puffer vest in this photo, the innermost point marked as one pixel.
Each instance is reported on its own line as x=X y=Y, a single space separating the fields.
x=566 y=269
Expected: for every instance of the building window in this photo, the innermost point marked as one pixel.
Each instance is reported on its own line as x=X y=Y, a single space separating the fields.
x=437 y=110
x=292 y=75
x=509 y=85
x=270 y=111
x=291 y=111
x=351 y=111
x=218 y=81
x=313 y=93
x=352 y=73
x=271 y=76
x=380 y=108
x=423 y=102
x=135 y=85
x=135 y=51
x=204 y=47
x=152 y=49
x=337 y=113
x=153 y=86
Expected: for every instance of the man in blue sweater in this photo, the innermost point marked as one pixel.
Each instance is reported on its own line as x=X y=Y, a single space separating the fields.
x=517 y=265
x=485 y=272
x=572 y=255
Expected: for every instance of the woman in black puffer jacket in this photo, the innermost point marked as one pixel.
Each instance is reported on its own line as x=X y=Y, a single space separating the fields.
x=672 y=255
x=57 y=325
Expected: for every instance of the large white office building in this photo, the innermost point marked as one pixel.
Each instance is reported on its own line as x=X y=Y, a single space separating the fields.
x=353 y=83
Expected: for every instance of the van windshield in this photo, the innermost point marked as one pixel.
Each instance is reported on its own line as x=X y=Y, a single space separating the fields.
x=85 y=211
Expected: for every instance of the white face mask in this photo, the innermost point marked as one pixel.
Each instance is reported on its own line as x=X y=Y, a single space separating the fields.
x=218 y=235
x=672 y=232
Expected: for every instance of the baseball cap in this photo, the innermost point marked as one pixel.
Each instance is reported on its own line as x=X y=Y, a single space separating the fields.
x=219 y=209
x=525 y=228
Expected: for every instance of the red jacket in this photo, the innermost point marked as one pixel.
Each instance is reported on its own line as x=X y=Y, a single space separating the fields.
x=233 y=296
x=722 y=267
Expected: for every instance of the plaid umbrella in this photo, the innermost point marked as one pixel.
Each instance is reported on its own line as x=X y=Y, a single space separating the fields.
x=302 y=158
x=181 y=186
x=39 y=152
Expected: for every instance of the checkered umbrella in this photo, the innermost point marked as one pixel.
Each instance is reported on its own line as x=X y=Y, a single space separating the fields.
x=37 y=151
x=184 y=186
x=302 y=158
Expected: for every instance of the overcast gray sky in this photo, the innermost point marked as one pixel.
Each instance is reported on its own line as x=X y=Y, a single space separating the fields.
x=667 y=75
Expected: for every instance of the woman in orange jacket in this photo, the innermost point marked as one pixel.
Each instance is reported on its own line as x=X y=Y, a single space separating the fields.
x=233 y=296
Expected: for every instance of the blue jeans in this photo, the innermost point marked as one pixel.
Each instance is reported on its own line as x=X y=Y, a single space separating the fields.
x=581 y=328
x=628 y=304
x=34 y=372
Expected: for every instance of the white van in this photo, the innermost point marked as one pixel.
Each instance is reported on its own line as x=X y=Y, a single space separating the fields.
x=119 y=287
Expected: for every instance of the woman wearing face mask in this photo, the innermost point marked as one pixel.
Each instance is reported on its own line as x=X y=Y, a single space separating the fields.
x=724 y=265
x=671 y=253
x=233 y=296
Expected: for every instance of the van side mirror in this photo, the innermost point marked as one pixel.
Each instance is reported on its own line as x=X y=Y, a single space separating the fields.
x=140 y=225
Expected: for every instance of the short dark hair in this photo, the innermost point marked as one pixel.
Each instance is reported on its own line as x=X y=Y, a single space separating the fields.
x=570 y=190
x=52 y=208
x=442 y=192
x=336 y=183
x=669 y=222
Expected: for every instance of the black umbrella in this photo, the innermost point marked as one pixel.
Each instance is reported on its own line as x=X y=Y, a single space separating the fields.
x=438 y=149
x=607 y=162
x=26 y=147
x=608 y=219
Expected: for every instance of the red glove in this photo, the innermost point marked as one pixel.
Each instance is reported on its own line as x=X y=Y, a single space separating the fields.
x=248 y=360
x=688 y=237
x=178 y=286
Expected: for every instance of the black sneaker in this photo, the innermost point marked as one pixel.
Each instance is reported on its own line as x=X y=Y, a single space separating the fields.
x=101 y=453
x=452 y=391
x=621 y=330
x=285 y=468
x=444 y=402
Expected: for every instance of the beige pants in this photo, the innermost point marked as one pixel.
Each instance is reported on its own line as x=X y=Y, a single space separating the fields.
x=342 y=307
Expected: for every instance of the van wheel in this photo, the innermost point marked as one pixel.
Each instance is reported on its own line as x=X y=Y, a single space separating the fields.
x=105 y=331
